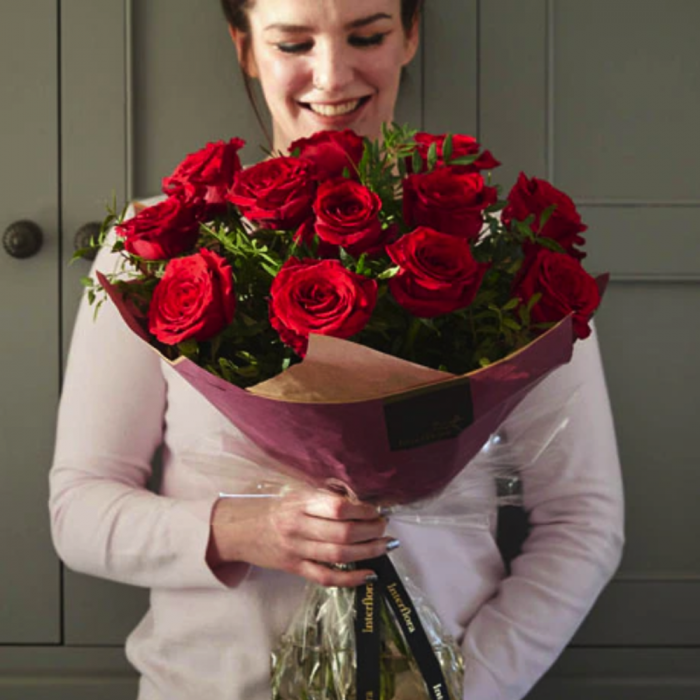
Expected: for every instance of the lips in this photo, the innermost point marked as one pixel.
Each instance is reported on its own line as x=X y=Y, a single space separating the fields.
x=338 y=109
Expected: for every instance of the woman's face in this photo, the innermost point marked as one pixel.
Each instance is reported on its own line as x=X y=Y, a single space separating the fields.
x=328 y=64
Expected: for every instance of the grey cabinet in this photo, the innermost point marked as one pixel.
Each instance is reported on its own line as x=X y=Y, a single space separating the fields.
x=108 y=96
x=29 y=318
x=597 y=97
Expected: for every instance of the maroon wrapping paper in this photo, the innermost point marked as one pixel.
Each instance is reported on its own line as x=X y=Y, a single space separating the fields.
x=352 y=442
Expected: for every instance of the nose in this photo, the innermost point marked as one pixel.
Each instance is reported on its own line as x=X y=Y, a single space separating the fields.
x=333 y=69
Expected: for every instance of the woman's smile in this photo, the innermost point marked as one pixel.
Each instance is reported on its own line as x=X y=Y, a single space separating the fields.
x=336 y=109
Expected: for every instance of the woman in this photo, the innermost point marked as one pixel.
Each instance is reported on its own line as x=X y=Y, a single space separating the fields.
x=225 y=580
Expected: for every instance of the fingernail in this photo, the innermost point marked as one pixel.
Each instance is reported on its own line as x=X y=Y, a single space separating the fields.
x=383 y=511
x=392 y=545
x=371 y=578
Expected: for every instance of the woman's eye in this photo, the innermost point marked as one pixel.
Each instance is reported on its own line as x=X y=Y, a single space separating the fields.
x=372 y=40
x=295 y=48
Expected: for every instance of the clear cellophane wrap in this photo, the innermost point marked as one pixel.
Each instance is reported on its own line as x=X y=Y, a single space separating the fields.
x=316 y=658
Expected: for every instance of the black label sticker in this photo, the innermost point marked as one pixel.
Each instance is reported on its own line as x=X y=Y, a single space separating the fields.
x=428 y=415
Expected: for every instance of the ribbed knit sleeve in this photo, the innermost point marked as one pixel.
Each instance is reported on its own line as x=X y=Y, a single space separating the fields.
x=575 y=502
x=105 y=522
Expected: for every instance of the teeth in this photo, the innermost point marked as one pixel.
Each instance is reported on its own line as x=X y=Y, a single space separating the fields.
x=334 y=110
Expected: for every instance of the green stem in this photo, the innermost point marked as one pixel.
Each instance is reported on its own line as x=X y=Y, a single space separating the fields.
x=413 y=330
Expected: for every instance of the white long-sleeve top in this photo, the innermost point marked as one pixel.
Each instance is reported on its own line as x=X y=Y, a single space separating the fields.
x=210 y=636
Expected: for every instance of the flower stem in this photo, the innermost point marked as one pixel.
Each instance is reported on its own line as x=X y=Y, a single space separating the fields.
x=411 y=336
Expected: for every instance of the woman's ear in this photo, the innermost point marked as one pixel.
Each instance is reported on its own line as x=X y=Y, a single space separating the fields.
x=412 y=41
x=244 y=51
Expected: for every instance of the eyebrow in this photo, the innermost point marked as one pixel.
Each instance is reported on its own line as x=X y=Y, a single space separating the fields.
x=355 y=24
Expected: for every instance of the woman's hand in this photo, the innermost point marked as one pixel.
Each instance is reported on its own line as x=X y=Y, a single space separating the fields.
x=301 y=534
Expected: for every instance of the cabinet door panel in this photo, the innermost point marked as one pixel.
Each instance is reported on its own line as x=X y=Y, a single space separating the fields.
x=29 y=331
x=62 y=673
x=96 y=78
x=622 y=674
x=568 y=94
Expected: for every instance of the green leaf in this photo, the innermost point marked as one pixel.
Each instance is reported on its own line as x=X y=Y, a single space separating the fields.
x=464 y=160
x=416 y=162
x=511 y=304
x=510 y=323
x=524 y=314
x=514 y=268
x=533 y=300
x=389 y=273
x=189 y=348
x=386 y=132
x=447 y=149
x=360 y=268
x=401 y=164
x=550 y=244
x=97 y=307
x=546 y=214
x=346 y=258
x=430 y=323
x=497 y=206
x=432 y=156
x=271 y=270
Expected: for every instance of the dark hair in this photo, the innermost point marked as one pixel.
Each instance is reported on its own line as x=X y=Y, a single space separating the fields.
x=237 y=17
x=235 y=11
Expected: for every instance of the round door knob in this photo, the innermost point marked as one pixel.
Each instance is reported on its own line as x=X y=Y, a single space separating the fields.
x=84 y=238
x=22 y=239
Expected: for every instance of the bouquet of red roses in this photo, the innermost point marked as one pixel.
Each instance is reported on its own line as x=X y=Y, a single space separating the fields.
x=356 y=303
x=401 y=245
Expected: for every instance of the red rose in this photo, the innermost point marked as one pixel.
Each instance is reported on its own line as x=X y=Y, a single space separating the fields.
x=207 y=174
x=532 y=197
x=163 y=230
x=438 y=273
x=463 y=146
x=448 y=200
x=319 y=296
x=347 y=215
x=331 y=152
x=565 y=286
x=277 y=193
x=194 y=299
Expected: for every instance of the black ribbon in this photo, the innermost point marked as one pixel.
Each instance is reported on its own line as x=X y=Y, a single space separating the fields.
x=367 y=641
x=367 y=632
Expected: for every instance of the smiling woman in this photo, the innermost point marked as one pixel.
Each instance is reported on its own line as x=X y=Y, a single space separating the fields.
x=325 y=65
